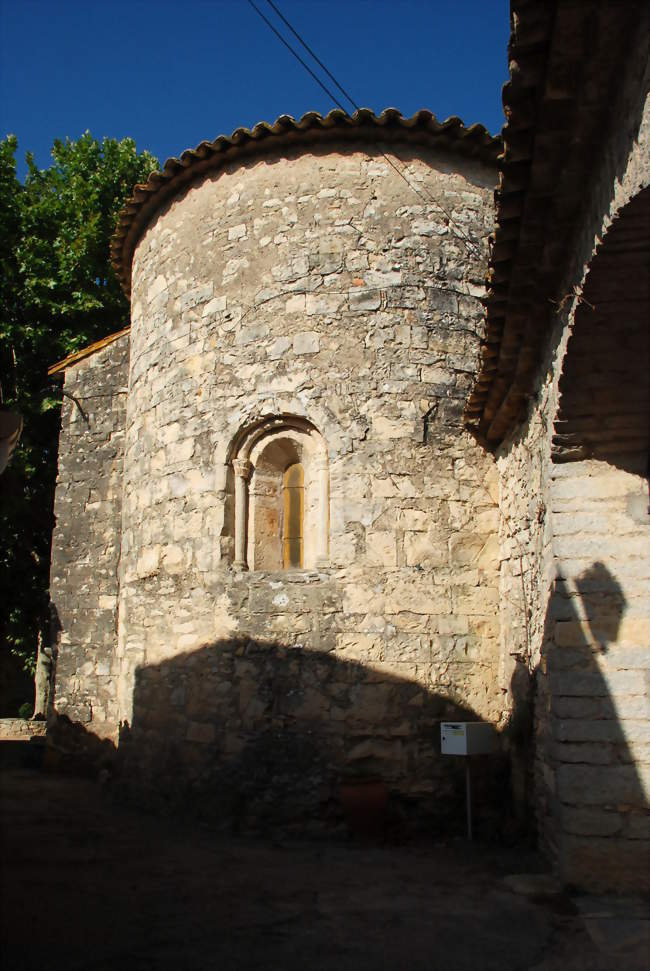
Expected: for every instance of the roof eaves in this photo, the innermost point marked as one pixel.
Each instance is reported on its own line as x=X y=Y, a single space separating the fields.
x=565 y=59
x=473 y=141
x=58 y=369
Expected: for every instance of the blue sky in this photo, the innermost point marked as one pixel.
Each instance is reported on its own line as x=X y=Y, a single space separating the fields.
x=171 y=73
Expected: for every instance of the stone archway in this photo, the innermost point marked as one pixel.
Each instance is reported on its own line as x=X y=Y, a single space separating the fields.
x=598 y=621
x=605 y=386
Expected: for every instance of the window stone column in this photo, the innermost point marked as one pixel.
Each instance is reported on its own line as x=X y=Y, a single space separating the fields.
x=322 y=484
x=243 y=469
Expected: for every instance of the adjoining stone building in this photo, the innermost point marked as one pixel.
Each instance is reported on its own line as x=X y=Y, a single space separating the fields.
x=314 y=500
x=563 y=399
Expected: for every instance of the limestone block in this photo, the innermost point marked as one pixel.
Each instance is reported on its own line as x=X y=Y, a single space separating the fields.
x=306 y=342
x=310 y=704
x=438 y=376
x=323 y=304
x=370 y=703
x=589 y=753
x=363 y=300
x=233 y=268
x=428 y=549
x=588 y=785
x=600 y=863
x=195 y=296
x=158 y=286
x=362 y=597
x=593 y=684
x=413 y=519
x=465 y=548
x=601 y=730
x=381 y=548
x=418 y=596
x=215 y=306
x=359 y=647
x=173 y=559
x=473 y=601
x=389 y=428
x=634 y=706
x=591 y=822
x=383 y=278
x=200 y=732
x=295 y=304
x=637 y=826
x=251 y=334
x=181 y=452
x=148 y=561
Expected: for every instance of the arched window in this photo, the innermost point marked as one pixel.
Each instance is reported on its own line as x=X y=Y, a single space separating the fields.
x=293 y=502
x=281 y=485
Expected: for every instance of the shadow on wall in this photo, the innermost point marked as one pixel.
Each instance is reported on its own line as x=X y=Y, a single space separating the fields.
x=263 y=734
x=256 y=735
x=590 y=711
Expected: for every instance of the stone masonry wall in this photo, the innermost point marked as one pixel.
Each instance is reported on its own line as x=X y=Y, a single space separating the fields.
x=562 y=522
x=86 y=542
x=319 y=286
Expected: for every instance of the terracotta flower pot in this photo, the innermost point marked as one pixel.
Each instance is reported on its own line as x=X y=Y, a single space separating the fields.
x=365 y=802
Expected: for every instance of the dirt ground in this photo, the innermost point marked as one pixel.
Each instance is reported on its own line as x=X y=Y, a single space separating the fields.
x=88 y=884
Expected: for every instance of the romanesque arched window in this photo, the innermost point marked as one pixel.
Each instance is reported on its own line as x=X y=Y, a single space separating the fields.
x=281 y=512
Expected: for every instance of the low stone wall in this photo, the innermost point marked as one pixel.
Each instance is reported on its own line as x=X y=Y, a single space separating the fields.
x=21 y=729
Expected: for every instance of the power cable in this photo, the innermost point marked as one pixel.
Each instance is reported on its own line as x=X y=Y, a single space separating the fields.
x=296 y=55
x=458 y=232
x=315 y=57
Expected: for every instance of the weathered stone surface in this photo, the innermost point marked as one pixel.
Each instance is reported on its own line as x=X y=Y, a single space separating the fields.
x=447 y=583
x=86 y=542
x=603 y=785
x=574 y=530
x=301 y=298
x=592 y=822
x=604 y=862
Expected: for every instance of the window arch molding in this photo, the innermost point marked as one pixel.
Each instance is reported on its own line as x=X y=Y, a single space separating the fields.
x=260 y=456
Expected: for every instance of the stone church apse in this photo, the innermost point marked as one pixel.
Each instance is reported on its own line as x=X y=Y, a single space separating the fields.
x=287 y=540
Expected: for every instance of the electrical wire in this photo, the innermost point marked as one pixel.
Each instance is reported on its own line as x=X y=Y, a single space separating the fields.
x=315 y=57
x=426 y=198
x=319 y=82
x=296 y=55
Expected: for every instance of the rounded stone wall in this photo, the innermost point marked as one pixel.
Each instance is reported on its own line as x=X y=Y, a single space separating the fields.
x=308 y=321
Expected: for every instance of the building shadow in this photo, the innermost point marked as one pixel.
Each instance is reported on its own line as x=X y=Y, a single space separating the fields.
x=256 y=735
x=259 y=737
x=589 y=718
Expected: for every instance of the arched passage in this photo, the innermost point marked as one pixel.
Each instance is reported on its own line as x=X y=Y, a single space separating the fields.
x=596 y=712
x=605 y=387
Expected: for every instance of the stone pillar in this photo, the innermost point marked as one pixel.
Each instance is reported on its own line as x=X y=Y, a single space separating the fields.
x=322 y=479
x=242 y=468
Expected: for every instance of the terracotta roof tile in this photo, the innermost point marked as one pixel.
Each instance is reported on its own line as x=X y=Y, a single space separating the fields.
x=565 y=60
x=363 y=125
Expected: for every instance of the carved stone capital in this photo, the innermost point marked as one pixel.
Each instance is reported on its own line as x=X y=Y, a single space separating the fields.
x=242 y=467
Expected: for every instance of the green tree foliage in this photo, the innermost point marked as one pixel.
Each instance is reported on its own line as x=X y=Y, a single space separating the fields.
x=58 y=293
